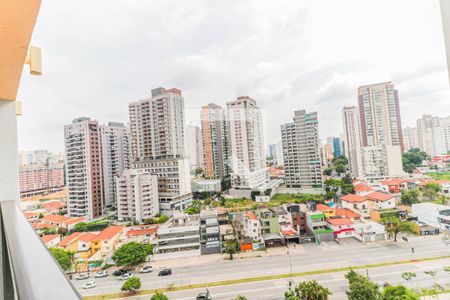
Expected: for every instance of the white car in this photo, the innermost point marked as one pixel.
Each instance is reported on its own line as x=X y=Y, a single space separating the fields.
x=101 y=274
x=89 y=285
x=125 y=276
x=82 y=276
x=146 y=269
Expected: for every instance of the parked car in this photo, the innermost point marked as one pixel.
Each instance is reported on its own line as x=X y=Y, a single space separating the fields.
x=125 y=276
x=82 y=276
x=146 y=269
x=203 y=296
x=119 y=272
x=165 y=272
x=101 y=274
x=89 y=285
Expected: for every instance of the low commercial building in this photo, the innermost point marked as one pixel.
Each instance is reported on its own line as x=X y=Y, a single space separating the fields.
x=181 y=234
x=432 y=214
x=210 y=241
x=369 y=231
x=342 y=227
x=421 y=228
x=206 y=185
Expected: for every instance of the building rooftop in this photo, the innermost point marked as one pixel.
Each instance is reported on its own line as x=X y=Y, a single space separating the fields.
x=379 y=196
x=142 y=231
x=362 y=188
x=339 y=221
x=353 y=198
x=347 y=213
x=49 y=237
x=109 y=232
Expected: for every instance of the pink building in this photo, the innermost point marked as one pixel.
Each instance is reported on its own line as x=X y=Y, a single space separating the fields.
x=39 y=179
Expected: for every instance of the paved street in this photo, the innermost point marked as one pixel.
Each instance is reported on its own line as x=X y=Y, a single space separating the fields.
x=303 y=258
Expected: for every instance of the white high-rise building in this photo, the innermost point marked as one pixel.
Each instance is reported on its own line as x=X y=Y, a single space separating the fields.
x=279 y=154
x=83 y=168
x=158 y=146
x=194 y=146
x=410 y=138
x=301 y=151
x=137 y=196
x=352 y=139
x=116 y=157
x=247 y=144
x=382 y=162
x=379 y=115
x=434 y=134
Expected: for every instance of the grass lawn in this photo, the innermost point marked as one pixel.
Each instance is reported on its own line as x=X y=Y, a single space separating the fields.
x=440 y=175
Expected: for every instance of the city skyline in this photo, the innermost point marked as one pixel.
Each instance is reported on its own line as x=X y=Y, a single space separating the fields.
x=301 y=73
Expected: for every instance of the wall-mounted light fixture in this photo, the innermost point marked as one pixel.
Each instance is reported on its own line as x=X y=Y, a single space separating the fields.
x=34 y=59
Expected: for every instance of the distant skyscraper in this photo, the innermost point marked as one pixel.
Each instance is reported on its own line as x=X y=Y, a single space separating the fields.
x=157 y=135
x=247 y=144
x=194 y=146
x=352 y=139
x=116 y=157
x=445 y=13
x=279 y=161
x=434 y=134
x=379 y=114
x=216 y=141
x=272 y=150
x=410 y=138
x=302 y=161
x=83 y=168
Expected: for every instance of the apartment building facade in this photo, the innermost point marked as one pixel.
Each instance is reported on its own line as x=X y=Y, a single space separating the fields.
x=83 y=168
x=216 y=142
x=210 y=241
x=301 y=150
x=158 y=146
x=381 y=162
x=116 y=157
x=379 y=114
x=434 y=134
x=247 y=144
x=39 y=179
x=137 y=195
x=194 y=146
x=352 y=139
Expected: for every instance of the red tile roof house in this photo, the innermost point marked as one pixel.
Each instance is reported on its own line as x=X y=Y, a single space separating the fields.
x=31 y=215
x=51 y=240
x=362 y=189
x=106 y=241
x=141 y=235
x=342 y=227
x=62 y=221
x=394 y=186
x=53 y=207
x=364 y=204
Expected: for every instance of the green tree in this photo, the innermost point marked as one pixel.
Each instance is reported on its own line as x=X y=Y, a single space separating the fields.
x=409 y=276
x=340 y=169
x=412 y=159
x=340 y=160
x=399 y=292
x=82 y=226
x=132 y=253
x=62 y=257
x=431 y=190
x=333 y=185
x=432 y=274
x=240 y=297
x=327 y=171
x=361 y=288
x=394 y=226
x=131 y=285
x=198 y=171
x=231 y=249
x=307 y=290
x=410 y=196
x=159 y=296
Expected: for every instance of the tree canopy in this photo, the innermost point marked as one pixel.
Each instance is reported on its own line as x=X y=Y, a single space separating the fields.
x=62 y=257
x=332 y=186
x=132 y=284
x=132 y=254
x=307 y=290
x=361 y=288
x=394 y=226
x=159 y=296
x=399 y=292
x=412 y=159
x=410 y=196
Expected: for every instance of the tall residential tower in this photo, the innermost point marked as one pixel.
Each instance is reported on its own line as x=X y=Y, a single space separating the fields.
x=301 y=150
x=352 y=139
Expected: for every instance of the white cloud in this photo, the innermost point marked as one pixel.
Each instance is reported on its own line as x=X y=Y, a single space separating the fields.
x=288 y=55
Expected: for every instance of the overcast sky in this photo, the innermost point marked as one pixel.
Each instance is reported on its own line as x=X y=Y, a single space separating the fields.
x=99 y=55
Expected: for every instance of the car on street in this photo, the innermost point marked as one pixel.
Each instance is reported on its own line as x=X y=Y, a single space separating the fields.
x=83 y=276
x=165 y=272
x=101 y=274
x=119 y=272
x=89 y=285
x=125 y=276
x=146 y=269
